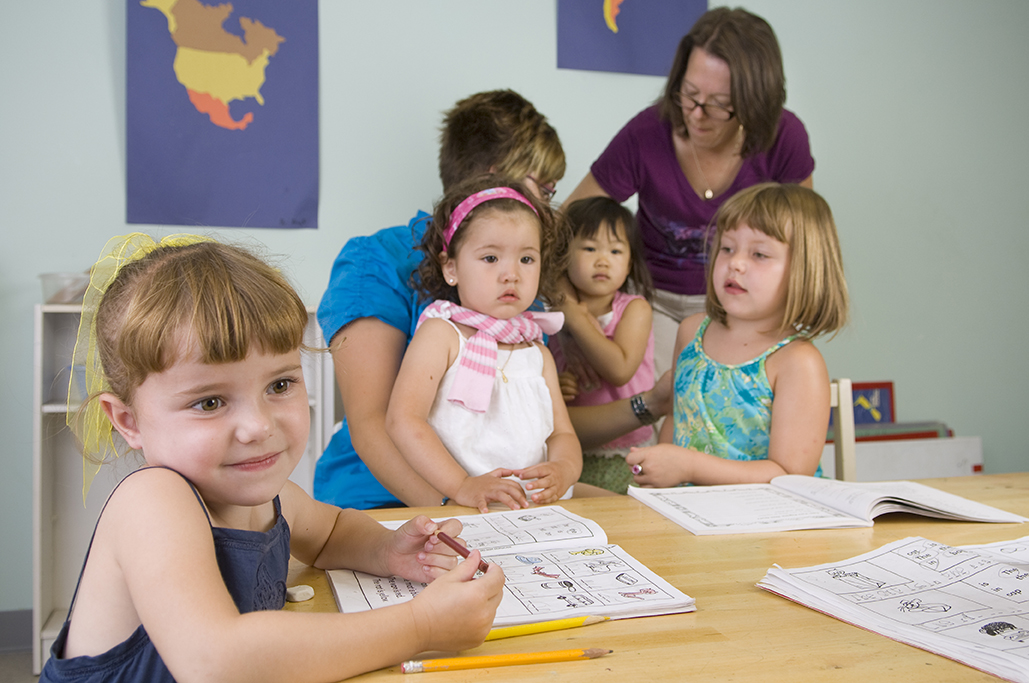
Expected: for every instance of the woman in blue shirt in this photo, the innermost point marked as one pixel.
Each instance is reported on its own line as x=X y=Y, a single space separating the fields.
x=370 y=309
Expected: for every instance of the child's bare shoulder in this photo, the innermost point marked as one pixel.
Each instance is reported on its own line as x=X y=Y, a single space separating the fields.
x=690 y=324
x=153 y=492
x=638 y=304
x=435 y=326
x=548 y=357
x=437 y=331
x=153 y=503
x=798 y=357
x=151 y=481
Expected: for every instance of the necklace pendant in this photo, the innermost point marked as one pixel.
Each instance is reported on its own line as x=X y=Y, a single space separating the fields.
x=708 y=194
x=502 y=375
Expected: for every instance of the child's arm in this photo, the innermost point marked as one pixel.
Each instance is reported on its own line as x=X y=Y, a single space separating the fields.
x=432 y=350
x=564 y=455
x=800 y=407
x=800 y=413
x=327 y=537
x=155 y=541
x=615 y=360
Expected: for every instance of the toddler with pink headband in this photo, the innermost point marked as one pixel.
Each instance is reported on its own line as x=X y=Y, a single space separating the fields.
x=477 y=409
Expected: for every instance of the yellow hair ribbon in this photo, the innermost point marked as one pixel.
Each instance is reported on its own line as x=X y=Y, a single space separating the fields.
x=89 y=422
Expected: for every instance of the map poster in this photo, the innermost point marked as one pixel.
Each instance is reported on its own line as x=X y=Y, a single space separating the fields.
x=625 y=36
x=222 y=113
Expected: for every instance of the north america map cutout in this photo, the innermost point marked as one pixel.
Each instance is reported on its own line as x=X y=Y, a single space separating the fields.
x=215 y=66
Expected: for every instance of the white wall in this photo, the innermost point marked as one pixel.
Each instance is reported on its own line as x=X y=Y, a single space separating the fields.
x=914 y=110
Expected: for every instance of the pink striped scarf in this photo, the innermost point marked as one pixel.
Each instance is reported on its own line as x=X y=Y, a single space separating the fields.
x=473 y=383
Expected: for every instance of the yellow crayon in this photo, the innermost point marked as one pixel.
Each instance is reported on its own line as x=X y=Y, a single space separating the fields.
x=542 y=627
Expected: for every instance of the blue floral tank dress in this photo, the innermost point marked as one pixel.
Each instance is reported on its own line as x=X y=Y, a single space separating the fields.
x=723 y=410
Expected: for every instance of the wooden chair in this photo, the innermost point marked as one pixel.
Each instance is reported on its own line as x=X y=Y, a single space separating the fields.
x=841 y=398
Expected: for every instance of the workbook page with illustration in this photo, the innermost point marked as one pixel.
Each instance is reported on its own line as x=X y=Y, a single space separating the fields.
x=968 y=603
x=557 y=564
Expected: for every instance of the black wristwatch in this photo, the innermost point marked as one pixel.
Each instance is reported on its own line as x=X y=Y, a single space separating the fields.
x=641 y=411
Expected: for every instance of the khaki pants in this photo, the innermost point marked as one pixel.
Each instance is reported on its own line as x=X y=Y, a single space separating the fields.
x=669 y=311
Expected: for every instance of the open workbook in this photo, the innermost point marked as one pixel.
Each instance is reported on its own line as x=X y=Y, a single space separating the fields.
x=968 y=603
x=793 y=501
x=556 y=563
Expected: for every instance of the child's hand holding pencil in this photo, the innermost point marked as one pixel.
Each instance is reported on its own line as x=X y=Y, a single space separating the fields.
x=460 y=549
x=457 y=610
x=414 y=551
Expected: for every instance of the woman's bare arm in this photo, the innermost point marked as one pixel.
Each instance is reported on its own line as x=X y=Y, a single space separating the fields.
x=587 y=187
x=366 y=355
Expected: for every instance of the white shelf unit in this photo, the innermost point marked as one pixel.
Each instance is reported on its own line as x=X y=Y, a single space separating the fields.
x=955 y=456
x=61 y=525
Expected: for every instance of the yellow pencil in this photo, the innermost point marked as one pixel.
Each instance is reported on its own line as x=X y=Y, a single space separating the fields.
x=455 y=663
x=542 y=627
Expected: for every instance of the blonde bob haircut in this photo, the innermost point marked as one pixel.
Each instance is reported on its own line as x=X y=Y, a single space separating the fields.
x=220 y=298
x=816 y=294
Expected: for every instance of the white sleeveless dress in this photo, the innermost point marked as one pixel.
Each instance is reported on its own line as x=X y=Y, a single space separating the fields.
x=512 y=433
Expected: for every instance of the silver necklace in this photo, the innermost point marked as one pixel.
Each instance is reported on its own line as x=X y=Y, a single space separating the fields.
x=709 y=193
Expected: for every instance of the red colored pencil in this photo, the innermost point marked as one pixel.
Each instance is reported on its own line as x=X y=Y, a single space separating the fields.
x=461 y=550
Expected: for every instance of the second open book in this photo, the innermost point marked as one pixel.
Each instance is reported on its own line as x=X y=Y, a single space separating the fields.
x=556 y=563
x=794 y=502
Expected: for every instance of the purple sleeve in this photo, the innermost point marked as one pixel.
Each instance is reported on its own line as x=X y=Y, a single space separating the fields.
x=790 y=159
x=618 y=169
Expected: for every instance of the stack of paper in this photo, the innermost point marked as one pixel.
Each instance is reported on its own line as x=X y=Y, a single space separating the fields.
x=970 y=604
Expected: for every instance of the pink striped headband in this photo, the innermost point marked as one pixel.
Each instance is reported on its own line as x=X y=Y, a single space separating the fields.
x=472 y=201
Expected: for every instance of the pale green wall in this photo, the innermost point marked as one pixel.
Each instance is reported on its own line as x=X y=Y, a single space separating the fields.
x=914 y=109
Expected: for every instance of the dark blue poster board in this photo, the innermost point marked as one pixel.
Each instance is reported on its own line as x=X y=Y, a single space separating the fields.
x=222 y=113
x=625 y=36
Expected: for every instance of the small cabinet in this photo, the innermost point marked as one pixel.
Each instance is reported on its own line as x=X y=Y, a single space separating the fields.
x=62 y=522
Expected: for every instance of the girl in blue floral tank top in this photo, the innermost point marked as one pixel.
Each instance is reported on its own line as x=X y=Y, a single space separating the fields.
x=751 y=390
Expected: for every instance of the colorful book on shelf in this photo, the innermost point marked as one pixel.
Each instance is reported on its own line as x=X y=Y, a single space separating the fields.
x=966 y=603
x=793 y=502
x=556 y=564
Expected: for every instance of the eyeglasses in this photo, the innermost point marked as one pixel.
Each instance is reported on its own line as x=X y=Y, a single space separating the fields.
x=547 y=192
x=711 y=109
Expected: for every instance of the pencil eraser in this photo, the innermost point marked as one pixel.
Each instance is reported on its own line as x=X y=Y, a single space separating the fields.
x=301 y=593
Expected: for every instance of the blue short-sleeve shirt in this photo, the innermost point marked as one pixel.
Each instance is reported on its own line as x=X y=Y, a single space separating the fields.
x=371 y=278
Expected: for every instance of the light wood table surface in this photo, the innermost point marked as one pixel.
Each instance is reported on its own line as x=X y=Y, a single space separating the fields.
x=739 y=632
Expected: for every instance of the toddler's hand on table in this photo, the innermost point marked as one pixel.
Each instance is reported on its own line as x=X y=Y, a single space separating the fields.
x=549 y=481
x=416 y=553
x=479 y=492
x=456 y=611
x=659 y=466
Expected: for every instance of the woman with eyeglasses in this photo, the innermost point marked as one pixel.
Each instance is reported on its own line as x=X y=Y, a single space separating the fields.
x=718 y=127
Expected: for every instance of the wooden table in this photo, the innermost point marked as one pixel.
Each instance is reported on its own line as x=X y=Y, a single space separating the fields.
x=739 y=632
